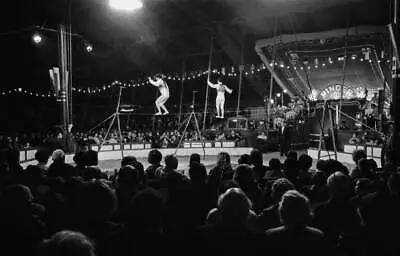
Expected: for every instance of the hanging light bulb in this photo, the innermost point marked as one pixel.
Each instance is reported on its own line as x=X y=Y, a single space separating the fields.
x=88 y=47
x=37 y=38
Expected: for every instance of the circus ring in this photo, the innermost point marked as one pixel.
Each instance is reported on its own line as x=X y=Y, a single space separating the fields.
x=110 y=155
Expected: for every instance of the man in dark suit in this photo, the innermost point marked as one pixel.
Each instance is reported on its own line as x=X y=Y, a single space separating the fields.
x=284 y=139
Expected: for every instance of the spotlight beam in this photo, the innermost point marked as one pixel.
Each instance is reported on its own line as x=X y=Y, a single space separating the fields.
x=125 y=5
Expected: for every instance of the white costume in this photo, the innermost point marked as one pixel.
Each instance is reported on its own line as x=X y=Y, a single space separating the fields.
x=220 y=100
x=164 y=90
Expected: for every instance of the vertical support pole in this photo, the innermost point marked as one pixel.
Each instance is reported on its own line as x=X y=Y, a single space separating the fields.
x=241 y=69
x=208 y=78
x=69 y=36
x=333 y=128
x=64 y=112
x=271 y=83
x=396 y=84
x=183 y=78
x=344 y=70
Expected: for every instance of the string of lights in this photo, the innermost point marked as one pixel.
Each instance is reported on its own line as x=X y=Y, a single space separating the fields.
x=249 y=70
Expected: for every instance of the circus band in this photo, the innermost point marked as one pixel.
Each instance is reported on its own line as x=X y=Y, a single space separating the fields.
x=220 y=100
x=164 y=91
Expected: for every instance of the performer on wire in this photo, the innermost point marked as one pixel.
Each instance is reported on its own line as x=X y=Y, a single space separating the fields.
x=220 y=100
x=164 y=90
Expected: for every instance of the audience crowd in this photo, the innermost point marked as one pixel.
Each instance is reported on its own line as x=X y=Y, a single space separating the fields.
x=284 y=208
x=164 y=135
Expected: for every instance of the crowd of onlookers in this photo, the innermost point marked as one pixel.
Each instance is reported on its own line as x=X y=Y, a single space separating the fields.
x=164 y=135
x=246 y=207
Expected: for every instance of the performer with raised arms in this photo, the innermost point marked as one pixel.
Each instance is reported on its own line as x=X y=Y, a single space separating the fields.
x=164 y=90
x=220 y=100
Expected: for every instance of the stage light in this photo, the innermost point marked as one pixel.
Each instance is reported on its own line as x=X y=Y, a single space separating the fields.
x=278 y=95
x=37 y=38
x=285 y=91
x=89 y=48
x=126 y=5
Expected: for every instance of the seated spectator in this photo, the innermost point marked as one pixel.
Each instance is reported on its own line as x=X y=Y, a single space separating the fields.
x=357 y=155
x=230 y=228
x=337 y=217
x=292 y=154
x=269 y=217
x=364 y=170
x=67 y=243
x=144 y=226
x=354 y=140
x=291 y=172
x=92 y=170
x=318 y=191
x=80 y=159
x=127 y=186
x=21 y=221
x=275 y=169
x=132 y=161
x=199 y=197
x=295 y=237
x=244 y=176
x=95 y=208
x=221 y=172
x=379 y=211
x=174 y=181
x=59 y=168
x=305 y=164
x=42 y=156
x=259 y=169
x=194 y=158
x=244 y=159
x=154 y=160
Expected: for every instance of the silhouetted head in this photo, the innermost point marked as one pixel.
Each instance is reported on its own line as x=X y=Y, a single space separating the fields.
x=256 y=157
x=154 y=157
x=198 y=173
x=234 y=207
x=294 y=209
x=67 y=243
x=171 y=162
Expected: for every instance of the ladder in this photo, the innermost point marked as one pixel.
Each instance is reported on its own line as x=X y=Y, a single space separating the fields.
x=322 y=141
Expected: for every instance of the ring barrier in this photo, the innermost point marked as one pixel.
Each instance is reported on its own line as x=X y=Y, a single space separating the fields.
x=141 y=150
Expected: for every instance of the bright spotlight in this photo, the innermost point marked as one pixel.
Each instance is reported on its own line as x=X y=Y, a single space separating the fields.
x=37 y=38
x=285 y=91
x=126 y=5
x=89 y=48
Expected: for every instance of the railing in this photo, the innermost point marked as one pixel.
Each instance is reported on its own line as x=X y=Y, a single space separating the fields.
x=28 y=154
x=187 y=144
